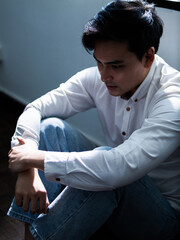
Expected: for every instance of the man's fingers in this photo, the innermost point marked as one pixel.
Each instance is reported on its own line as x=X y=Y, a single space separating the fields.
x=39 y=204
x=43 y=204
x=34 y=205
x=19 y=200
x=21 y=140
x=26 y=202
x=22 y=201
x=30 y=189
x=47 y=204
x=9 y=152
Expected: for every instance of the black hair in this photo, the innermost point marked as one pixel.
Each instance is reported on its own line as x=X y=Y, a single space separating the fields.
x=134 y=22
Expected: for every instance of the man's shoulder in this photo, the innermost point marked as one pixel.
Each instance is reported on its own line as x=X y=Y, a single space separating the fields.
x=164 y=67
x=90 y=72
x=164 y=72
x=166 y=79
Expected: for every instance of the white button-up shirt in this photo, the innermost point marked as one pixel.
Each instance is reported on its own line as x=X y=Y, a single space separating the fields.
x=144 y=132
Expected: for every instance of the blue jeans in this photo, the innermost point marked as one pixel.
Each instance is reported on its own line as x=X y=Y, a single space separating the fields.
x=136 y=211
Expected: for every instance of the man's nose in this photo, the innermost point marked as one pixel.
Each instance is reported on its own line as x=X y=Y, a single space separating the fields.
x=105 y=75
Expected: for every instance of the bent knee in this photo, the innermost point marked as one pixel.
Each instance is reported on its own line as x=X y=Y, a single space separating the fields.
x=52 y=122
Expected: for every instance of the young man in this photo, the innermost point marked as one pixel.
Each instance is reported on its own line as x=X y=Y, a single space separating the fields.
x=133 y=185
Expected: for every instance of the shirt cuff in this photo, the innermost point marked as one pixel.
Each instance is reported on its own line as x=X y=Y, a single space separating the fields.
x=55 y=165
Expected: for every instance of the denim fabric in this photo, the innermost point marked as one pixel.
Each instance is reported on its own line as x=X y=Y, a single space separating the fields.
x=137 y=211
x=55 y=135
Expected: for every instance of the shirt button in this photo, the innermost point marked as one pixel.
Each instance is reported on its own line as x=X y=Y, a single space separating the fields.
x=58 y=179
x=123 y=133
x=136 y=100
x=128 y=109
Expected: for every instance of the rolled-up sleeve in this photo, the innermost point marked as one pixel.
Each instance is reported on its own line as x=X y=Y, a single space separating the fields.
x=69 y=98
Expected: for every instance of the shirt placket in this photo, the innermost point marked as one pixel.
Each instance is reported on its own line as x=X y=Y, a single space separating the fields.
x=125 y=123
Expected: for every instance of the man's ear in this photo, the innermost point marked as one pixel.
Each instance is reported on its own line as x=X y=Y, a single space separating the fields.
x=149 y=57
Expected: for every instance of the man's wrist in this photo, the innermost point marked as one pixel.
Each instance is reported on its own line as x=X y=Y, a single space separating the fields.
x=30 y=172
x=36 y=160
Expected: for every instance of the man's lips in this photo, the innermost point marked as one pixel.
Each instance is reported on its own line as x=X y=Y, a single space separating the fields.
x=111 y=87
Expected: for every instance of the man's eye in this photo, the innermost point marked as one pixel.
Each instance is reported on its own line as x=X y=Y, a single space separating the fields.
x=117 y=66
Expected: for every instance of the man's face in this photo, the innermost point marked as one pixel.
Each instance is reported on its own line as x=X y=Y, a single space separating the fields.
x=119 y=68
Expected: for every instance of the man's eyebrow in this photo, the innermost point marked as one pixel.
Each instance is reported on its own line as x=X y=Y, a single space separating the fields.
x=112 y=62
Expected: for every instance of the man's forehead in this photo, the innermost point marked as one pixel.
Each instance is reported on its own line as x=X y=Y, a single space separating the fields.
x=111 y=52
x=115 y=61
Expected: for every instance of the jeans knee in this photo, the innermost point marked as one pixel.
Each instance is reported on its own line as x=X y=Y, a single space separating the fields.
x=51 y=124
x=51 y=134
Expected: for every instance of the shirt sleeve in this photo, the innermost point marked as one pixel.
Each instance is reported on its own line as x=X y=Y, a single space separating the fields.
x=145 y=149
x=69 y=98
x=28 y=127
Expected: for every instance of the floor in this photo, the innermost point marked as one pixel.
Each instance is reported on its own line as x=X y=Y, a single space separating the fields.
x=10 y=110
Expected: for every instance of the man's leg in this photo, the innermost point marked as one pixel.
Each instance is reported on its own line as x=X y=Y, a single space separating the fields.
x=137 y=211
x=55 y=135
x=74 y=214
x=143 y=213
x=77 y=214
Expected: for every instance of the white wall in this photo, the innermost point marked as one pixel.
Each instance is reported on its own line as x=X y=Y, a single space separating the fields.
x=41 y=47
x=170 y=42
x=41 y=43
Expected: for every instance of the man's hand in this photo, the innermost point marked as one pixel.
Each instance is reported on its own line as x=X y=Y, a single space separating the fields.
x=17 y=156
x=30 y=189
x=17 y=159
x=22 y=158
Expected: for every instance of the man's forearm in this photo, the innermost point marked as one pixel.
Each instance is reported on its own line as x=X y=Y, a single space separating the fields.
x=22 y=159
x=36 y=160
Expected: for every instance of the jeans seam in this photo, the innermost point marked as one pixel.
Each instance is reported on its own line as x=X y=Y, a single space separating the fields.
x=70 y=216
x=34 y=233
x=20 y=217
